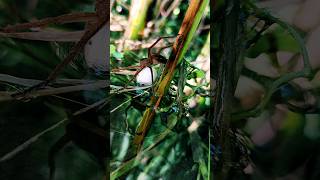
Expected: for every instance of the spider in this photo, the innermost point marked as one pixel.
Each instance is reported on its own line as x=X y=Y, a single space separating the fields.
x=145 y=75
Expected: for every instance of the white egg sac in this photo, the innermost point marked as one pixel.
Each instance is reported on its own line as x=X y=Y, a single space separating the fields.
x=96 y=50
x=146 y=76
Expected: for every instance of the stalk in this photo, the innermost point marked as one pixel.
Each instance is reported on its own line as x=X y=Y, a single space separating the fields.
x=231 y=31
x=187 y=30
x=137 y=19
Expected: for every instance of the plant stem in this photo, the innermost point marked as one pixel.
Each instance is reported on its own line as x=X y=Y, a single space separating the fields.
x=226 y=84
x=305 y=72
x=137 y=19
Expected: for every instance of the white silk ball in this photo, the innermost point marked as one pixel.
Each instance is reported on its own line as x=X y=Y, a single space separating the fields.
x=145 y=78
x=96 y=50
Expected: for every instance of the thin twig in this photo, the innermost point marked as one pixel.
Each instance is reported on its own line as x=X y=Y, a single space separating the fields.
x=128 y=89
x=173 y=5
x=30 y=141
x=122 y=104
x=66 y=18
x=94 y=105
x=7 y=96
x=51 y=36
x=31 y=82
x=70 y=100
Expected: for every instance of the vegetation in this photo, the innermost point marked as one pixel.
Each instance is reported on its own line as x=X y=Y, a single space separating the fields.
x=209 y=132
x=241 y=32
x=56 y=127
x=149 y=124
x=187 y=97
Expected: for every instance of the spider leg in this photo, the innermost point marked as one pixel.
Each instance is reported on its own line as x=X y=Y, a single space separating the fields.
x=76 y=49
x=132 y=79
x=162 y=48
x=151 y=74
x=135 y=75
x=125 y=68
x=163 y=37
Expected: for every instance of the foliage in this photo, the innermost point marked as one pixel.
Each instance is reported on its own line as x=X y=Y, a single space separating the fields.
x=168 y=146
x=282 y=103
x=30 y=127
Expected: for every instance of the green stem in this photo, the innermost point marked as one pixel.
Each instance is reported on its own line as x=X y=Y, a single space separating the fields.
x=305 y=72
x=137 y=19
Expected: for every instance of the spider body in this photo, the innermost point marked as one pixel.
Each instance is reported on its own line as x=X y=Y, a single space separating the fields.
x=153 y=59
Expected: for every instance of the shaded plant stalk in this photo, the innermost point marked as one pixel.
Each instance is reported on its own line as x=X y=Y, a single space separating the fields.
x=186 y=32
x=226 y=84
